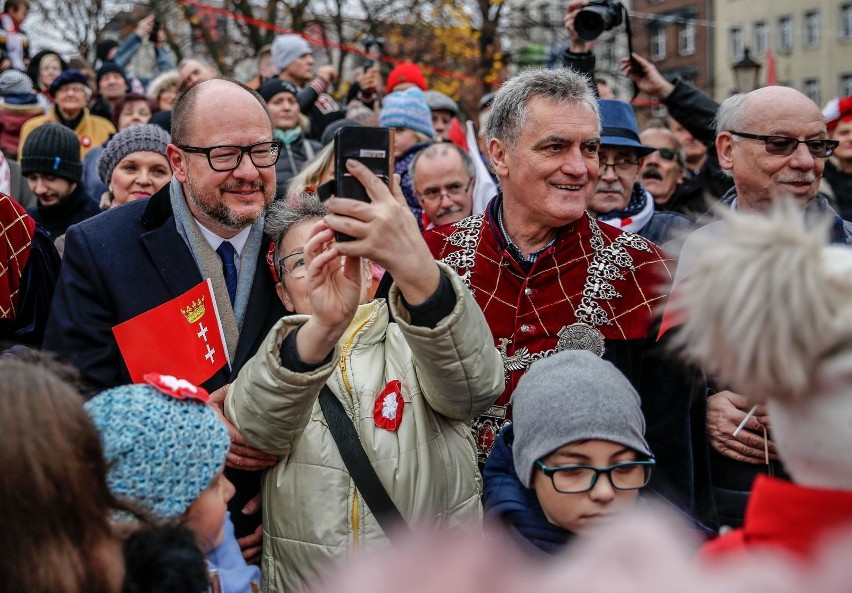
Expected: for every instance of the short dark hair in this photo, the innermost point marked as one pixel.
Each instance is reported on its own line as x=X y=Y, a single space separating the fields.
x=10 y=4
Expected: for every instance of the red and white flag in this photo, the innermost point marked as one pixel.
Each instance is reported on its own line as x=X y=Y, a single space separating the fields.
x=182 y=337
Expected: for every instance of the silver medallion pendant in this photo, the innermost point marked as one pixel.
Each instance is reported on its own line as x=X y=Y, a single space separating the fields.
x=579 y=336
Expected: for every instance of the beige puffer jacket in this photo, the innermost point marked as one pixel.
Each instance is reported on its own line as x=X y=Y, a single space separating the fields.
x=313 y=515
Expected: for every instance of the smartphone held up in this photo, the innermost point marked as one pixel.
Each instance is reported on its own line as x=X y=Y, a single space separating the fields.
x=372 y=147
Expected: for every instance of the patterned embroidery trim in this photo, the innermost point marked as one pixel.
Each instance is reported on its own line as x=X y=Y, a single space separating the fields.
x=606 y=266
x=465 y=238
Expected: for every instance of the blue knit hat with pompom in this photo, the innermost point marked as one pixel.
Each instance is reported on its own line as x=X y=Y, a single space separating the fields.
x=407 y=109
x=162 y=451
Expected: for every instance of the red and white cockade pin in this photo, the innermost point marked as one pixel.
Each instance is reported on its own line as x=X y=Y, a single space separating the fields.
x=177 y=388
x=388 y=409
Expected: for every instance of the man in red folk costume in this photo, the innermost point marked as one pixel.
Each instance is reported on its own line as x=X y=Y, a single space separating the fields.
x=550 y=278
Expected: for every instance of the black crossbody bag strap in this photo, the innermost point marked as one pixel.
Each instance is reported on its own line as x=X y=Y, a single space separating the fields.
x=359 y=466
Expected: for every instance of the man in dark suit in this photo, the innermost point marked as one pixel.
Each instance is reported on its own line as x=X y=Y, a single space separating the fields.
x=207 y=223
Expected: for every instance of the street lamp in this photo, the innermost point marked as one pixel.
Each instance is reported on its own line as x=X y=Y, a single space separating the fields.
x=746 y=72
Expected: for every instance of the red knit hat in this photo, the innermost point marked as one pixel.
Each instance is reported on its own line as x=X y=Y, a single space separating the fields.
x=405 y=72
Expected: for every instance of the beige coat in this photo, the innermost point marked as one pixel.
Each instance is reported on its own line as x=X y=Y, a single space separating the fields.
x=313 y=515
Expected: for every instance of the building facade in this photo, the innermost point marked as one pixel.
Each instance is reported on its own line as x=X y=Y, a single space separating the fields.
x=675 y=35
x=809 y=41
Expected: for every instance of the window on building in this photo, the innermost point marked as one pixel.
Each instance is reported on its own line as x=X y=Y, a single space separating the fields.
x=845 y=85
x=735 y=42
x=811 y=88
x=785 y=33
x=812 y=28
x=658 y=42
x=846 y=21
x=686 y=38
x=761 y=39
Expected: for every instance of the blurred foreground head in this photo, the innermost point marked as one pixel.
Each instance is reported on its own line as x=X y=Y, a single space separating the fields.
x=779 y=331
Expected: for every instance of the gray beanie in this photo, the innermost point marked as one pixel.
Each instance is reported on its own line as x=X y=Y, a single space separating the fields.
x=286 y=49
x=572 y=396
x=15 y=82
x=439 y=101
x=144 y=138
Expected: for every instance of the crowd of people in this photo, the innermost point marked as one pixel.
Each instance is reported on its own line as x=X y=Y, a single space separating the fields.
x=534 y=330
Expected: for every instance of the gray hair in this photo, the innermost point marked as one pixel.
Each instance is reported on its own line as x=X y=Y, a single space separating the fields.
x=440 y=149
x=283 y=215
x=731 y=113
x=509 y=110
x=730 y=116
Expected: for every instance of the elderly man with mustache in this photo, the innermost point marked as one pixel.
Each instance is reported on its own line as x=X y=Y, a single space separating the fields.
x=443 y=178
x=774 y=143
x=620 y=199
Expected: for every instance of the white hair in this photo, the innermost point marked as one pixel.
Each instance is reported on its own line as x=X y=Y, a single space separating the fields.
x=765 y=304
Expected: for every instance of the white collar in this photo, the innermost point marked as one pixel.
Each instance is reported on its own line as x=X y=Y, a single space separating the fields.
x=238 y=241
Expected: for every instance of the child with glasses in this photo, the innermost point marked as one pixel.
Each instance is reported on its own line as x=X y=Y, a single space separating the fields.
x=575 y=456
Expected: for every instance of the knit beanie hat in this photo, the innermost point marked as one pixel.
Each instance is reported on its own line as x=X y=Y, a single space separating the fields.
x=108 y=67
x=162 y=451
x=441 y=102
x=286 y=49
x=144 y=138
x=407 y=109
x=15 y=82
x=52 y=149
x=273 y=86
x=67 y=77
x=405 y=72
x=780 y=331
x=572 y=396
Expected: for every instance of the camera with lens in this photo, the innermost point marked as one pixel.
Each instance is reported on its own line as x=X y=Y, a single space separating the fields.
x=373 y=47
x=597 y=17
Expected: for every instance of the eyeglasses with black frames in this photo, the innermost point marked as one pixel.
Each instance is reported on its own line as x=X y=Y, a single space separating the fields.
x=574 y=479
x=668 y=154
x=293 y=264
x=785 y=146
x=228 y=157
x=621 y=165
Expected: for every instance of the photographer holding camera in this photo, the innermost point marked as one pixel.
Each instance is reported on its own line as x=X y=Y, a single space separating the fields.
x=584 y=21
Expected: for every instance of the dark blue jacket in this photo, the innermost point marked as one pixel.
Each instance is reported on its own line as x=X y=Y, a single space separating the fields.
x=515 y=505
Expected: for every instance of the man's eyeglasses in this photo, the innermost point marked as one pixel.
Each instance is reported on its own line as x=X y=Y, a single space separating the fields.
x=622 y=165
x=667 y=154
x=293 y=264
x=71 y=88
x=228 y=158
x=785 y=146
x=452 y=190
x=574 y=479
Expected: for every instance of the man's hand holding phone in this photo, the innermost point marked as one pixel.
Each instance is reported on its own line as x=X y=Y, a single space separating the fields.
x=384 y=231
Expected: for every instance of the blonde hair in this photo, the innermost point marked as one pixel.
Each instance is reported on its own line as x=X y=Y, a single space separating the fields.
x=313 y=171
x=765 y=304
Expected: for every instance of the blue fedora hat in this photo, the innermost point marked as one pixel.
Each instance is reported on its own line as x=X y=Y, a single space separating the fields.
x=619 y=126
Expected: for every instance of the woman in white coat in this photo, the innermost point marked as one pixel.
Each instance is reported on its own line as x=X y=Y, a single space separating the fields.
x=410 y=386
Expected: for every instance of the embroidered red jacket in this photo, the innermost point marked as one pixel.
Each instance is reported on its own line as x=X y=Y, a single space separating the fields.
x=526 y=310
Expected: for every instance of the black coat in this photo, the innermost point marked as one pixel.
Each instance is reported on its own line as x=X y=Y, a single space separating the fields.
x=293 y=157
x=76 y=207
x=125 y=262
